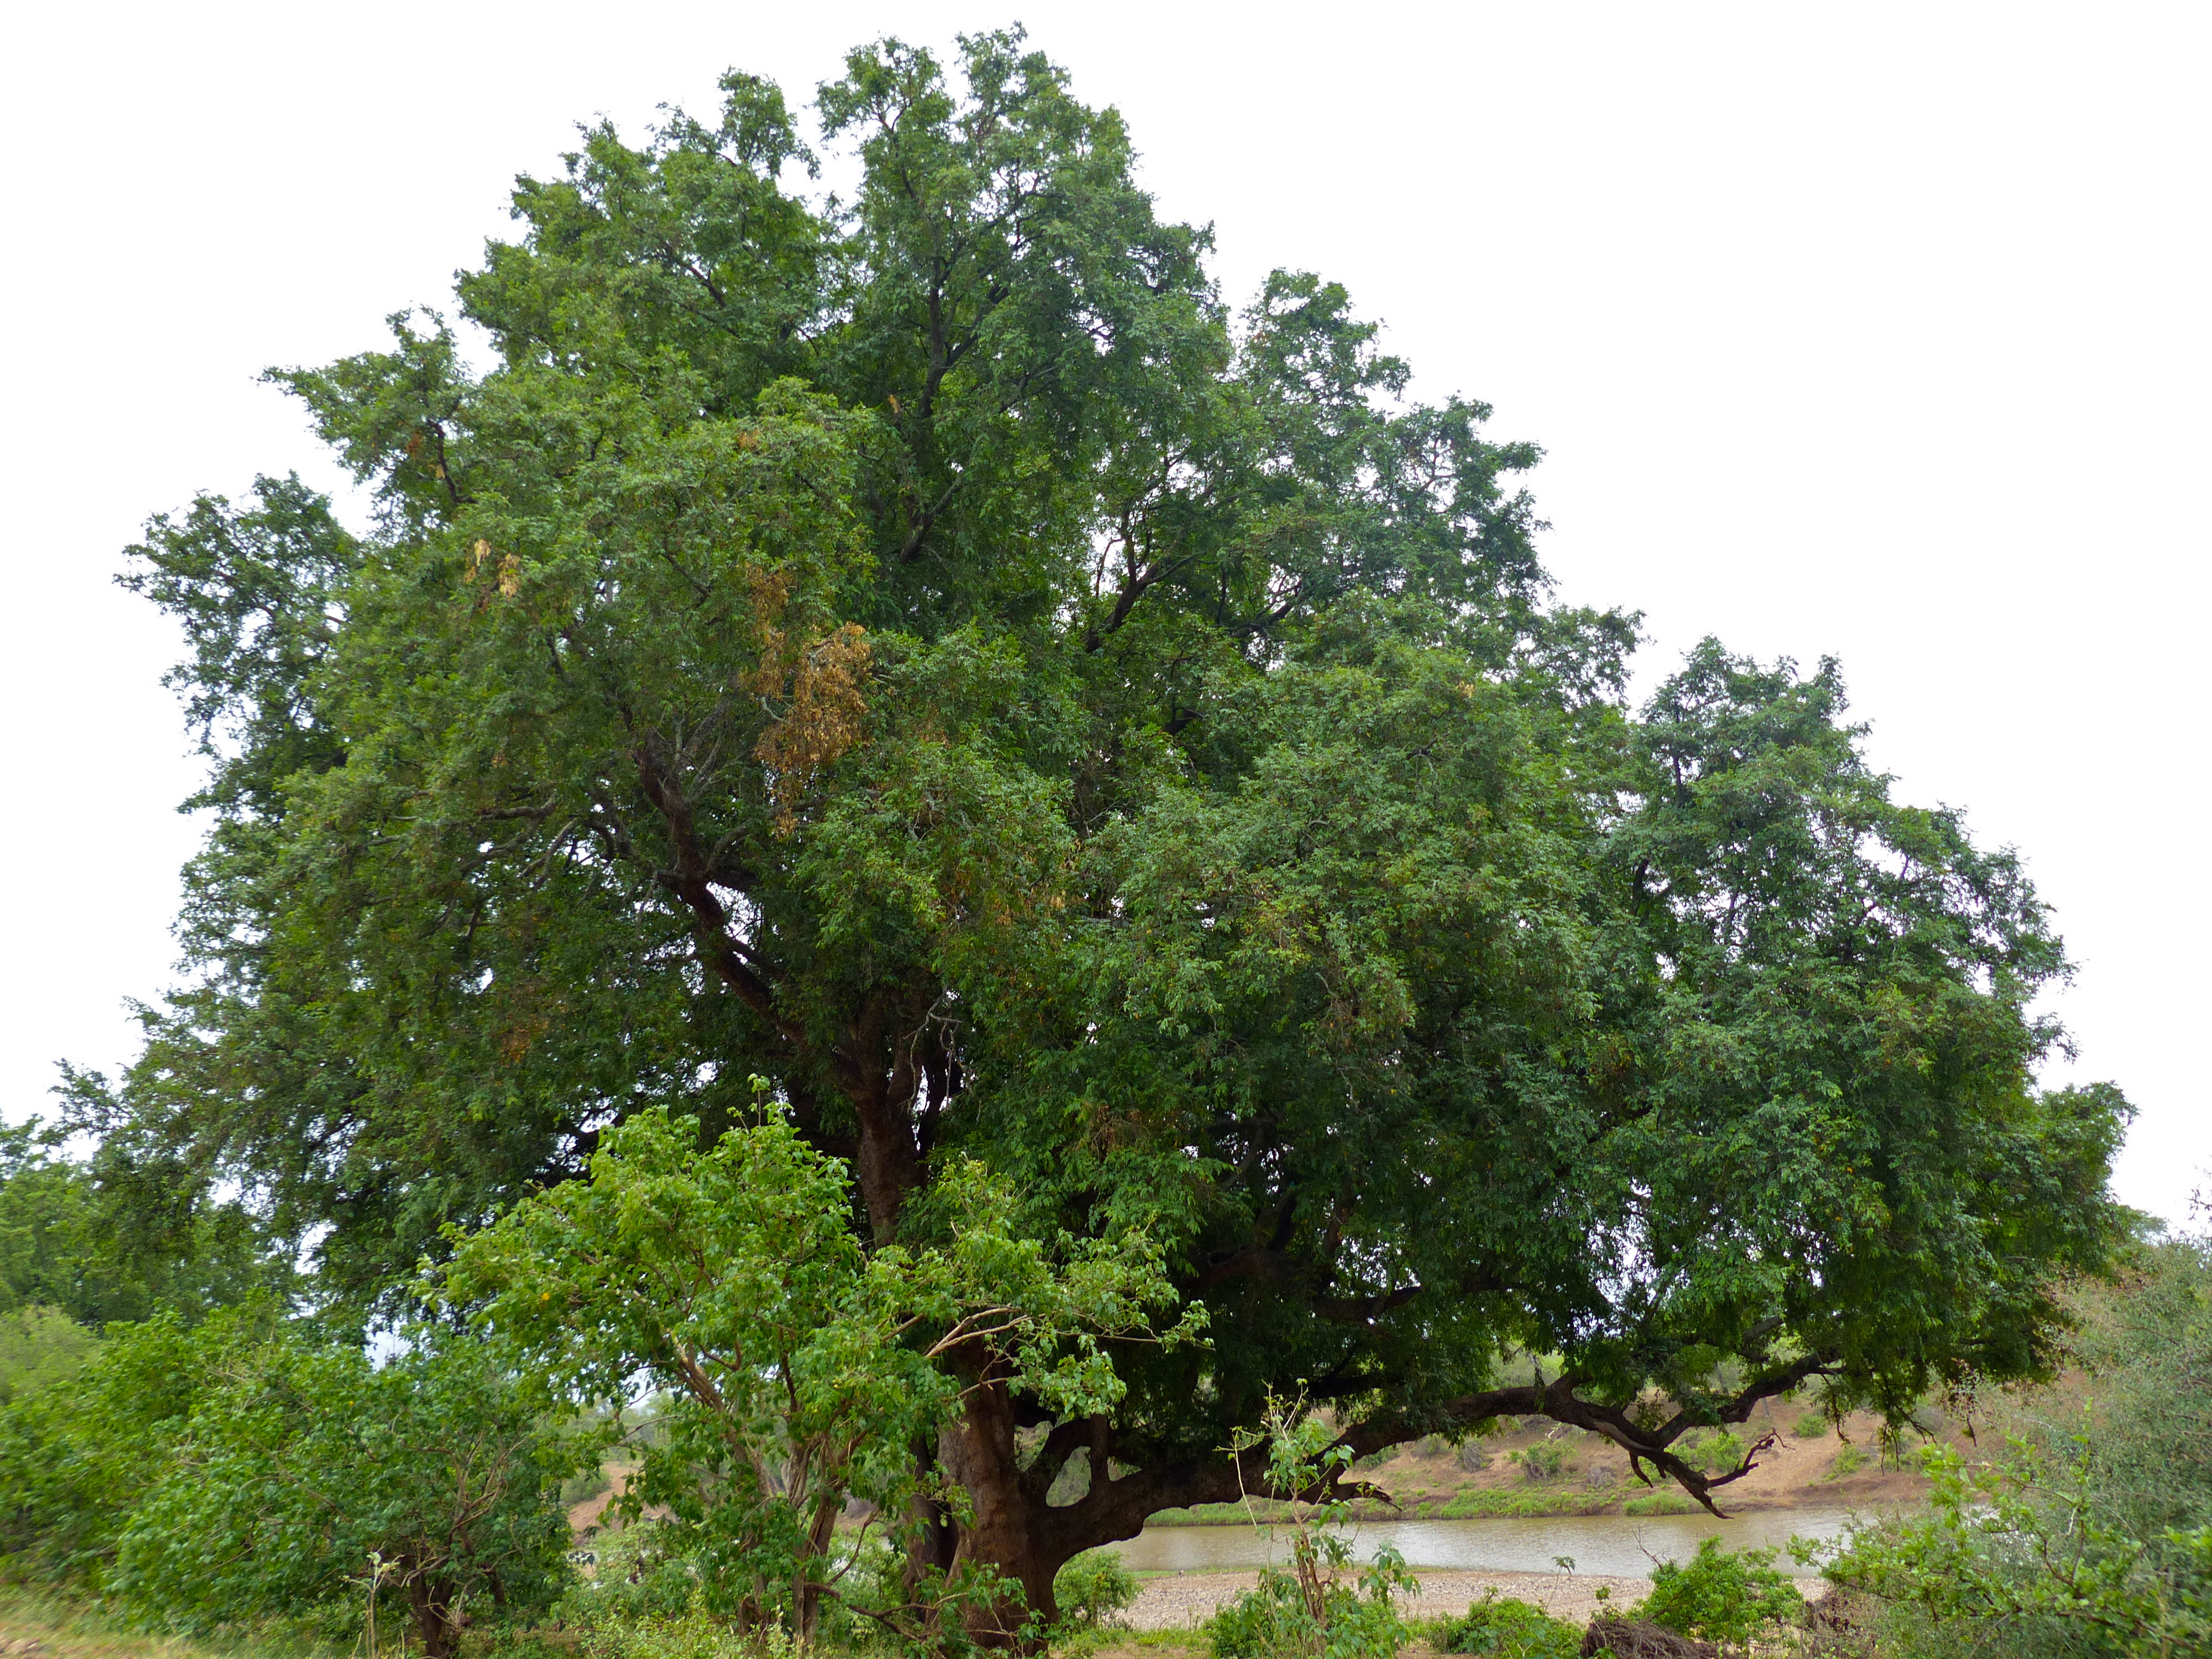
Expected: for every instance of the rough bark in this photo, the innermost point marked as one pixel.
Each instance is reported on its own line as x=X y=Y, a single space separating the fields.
x=429 y=1600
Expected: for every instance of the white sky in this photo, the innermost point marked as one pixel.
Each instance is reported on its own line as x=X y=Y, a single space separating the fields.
x=1879 y=331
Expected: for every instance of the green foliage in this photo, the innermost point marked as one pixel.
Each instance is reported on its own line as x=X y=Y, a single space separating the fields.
x=1812 y=1425
x=1279 y=1618
x=41 y=1348
x=118 y=1237
x=1321 y=1607
x=1851 y=1457
x=1728 y=1597
x=2088 y=1536
x=641 y=1576
x=1512 y=1630
x=1662 y=1502
x=239 y=1470
x=75 y=1462
x=1713 y=1453
x=1544 y=1461
x=302 y=1468
x=800 y=1371
x=1092 y=1588
x=930 y=652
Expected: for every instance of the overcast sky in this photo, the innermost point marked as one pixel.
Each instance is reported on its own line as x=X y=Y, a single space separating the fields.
x=1876 y=331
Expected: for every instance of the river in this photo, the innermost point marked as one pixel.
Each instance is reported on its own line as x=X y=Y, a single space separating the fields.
x=1626 y=1545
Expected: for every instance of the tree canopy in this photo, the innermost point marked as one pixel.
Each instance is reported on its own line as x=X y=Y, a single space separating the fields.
x=931 y=651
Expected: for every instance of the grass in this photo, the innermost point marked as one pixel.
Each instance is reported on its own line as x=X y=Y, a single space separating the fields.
x=72 y=1630
x=1662 y=1502
x=1850 y=1459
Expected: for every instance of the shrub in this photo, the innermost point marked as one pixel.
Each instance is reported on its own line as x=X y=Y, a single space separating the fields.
x=1473 y=1455
x=1811 y=1426
x=640 y=1575
x=301 y=1462
x=39 y=1348
x=1850 y=1459
x=1723 y=1596
x=584 y=1485
x=1542 y=1462
x=75 y=1462
x=1274 y=1619
x=1510 y=1630
x=1318 y=1609
x=1092 y=1588
x=2081 y=1535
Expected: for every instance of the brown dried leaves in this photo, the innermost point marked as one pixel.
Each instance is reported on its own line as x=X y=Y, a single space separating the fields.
x=819 y=682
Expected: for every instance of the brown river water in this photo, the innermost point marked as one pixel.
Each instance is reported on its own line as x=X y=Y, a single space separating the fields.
x=1623 y=1545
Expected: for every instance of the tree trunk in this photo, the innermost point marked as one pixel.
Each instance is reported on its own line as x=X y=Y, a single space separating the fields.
x=1005 y=1529
x=430 y=1600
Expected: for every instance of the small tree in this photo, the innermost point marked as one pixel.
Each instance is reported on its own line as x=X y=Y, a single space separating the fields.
x=802 y=1369
x=305 y=1463
x=1316 y=1609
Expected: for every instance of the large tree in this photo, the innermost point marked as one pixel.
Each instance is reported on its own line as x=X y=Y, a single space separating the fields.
x=929 y=652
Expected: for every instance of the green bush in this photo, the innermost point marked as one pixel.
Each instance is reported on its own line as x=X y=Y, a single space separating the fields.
x=1811 y=1426
x=39 y=1348
x=75 y=1462
x=1542 y=1462
x=640 y=1576
x=301 y=1463
x=584 y=1485
x=2078 y=1536
x=1320 y=1607
x=1850 y=1459
x=1092 y=1588
x=1719 y=1595
x=1512 y=1630
x=1272 y=1620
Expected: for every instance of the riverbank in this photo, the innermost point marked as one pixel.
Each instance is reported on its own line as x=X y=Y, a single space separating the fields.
x=1536 y=1469
x=1471 y=1505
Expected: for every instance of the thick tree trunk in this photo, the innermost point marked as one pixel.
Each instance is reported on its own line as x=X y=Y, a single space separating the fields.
x=1005 y=1529
x=430 y=1600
